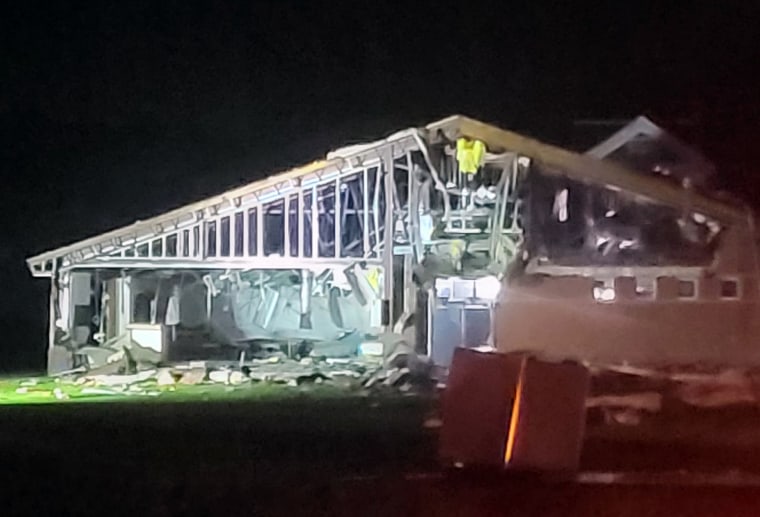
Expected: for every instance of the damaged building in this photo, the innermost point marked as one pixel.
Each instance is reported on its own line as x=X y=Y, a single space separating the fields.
x=458 y=233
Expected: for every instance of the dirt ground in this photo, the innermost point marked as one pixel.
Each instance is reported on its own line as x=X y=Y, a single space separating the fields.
x=298 y=457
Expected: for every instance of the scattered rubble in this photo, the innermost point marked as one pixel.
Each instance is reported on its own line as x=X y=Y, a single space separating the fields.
x=165 y=377
x=193 y=376
x=627 y=395
x=401 y=372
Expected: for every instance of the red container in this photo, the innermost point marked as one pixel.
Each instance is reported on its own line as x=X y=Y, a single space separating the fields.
x=512 y=410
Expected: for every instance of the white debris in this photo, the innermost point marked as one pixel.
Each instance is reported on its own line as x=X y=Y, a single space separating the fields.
x=717 y=395
x=647 y=401
x=337 y=360
x=122 y=380
x=371 y=349
x=237 y=377
x=193 y=376
x=165 y=377
x=99 y=391
x=221 y=376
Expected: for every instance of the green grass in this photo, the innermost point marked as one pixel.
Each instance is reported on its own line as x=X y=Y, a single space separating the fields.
x=45 y=390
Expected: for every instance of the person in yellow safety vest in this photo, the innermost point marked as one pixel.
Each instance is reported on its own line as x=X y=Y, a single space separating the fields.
x=470 y=154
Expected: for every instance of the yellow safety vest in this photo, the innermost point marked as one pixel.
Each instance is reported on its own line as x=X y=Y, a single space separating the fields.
x=470 y=154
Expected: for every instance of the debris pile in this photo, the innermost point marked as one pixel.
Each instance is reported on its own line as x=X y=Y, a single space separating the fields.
x=625 y=395
x=401 y=371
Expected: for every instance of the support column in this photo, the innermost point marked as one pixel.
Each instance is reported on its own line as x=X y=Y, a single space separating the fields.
x=307 y=277
x=53 y=302
x=58 y=357
x=390 y=203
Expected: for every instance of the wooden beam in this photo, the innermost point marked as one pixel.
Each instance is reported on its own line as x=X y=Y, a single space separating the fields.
x=584 y=168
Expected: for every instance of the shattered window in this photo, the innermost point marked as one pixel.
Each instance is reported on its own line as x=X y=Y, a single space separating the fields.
x=572 y=223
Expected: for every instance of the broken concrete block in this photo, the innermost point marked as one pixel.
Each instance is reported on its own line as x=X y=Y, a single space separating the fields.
x=193 y=376
x=220 y=376
x=400 y=355
x=375 y=378
x=237 y=377
x=165 y=377
x=99 y=355
x=397 y=377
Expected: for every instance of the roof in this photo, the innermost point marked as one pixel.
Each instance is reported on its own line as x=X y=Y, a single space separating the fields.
x=559 y=161
x=643 y=145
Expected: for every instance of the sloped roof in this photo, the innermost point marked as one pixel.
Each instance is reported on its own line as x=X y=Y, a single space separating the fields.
x=559 y=161
x=644 y=146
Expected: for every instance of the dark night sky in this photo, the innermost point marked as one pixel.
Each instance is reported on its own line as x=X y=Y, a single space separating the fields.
x=114 y=111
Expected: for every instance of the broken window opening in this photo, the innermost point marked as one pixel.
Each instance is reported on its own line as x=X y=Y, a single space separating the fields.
x=156 y=248
x=687 y=289
x=603 y=291
x=239 y=232
x=351 y=208
x=211 y=239
x=326 y=206
x=645 y=288
x=729 y=288
x=171 y=245
x=224 y=237
x=606 y=227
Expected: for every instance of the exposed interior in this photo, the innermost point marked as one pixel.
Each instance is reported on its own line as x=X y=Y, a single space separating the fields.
x=416 y=236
